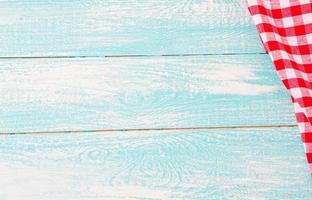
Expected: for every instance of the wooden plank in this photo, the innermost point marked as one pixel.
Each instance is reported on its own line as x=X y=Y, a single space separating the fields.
x=118 y=27
x=146 y=92
x=223 y=164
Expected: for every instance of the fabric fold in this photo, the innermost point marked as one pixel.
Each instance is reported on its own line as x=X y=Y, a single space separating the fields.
x=285 y=30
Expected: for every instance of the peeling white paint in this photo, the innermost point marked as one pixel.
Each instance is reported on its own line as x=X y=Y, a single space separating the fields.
x=75 y=81
x=30 y=183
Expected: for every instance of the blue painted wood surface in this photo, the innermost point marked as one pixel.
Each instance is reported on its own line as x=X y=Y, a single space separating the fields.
x=115 y=27
x=218 y=164
x=149 y=92
x=50 y=92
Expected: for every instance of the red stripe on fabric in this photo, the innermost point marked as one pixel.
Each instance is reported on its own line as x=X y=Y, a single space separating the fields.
x=304 y=101
x=296 y=83
x=281 y=12
x=309 y=157
x=290 y=31
x=286 y=84
x=282 y=64
x=306 y=137
x=297 y=50
x=300 y=117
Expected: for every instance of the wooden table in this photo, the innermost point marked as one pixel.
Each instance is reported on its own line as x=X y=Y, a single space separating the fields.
x=130 y=99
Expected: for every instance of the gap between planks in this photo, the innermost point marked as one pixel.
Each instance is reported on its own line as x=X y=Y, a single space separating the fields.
x=153 y=129
x=129 y=55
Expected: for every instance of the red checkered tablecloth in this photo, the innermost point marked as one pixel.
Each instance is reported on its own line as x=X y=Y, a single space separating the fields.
x=285 y=28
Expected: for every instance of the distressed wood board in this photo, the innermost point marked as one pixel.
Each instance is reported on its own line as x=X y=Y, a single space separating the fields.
x=145 y=92
x=217 y=164
x=118 y=27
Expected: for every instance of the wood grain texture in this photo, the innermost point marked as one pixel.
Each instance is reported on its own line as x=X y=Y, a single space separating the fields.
x=146 y=92
x=118 y=27
x=232 y=164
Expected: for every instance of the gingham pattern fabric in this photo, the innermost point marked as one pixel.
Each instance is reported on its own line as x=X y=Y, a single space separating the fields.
x=285 y=28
